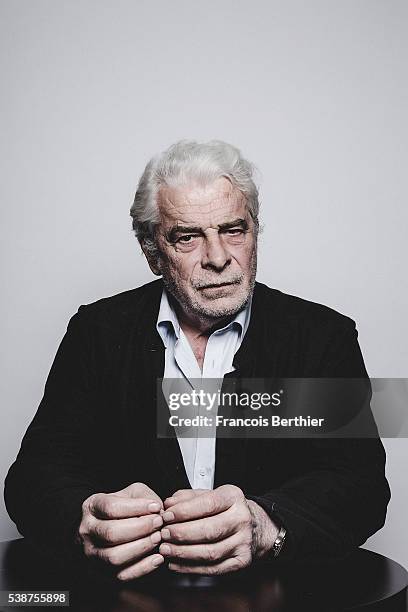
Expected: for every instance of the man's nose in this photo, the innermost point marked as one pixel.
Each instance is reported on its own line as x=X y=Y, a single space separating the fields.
x=215 y=255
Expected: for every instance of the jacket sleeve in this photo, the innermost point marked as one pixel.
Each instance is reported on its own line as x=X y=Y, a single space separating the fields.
x=53 y=472
x=336 y=505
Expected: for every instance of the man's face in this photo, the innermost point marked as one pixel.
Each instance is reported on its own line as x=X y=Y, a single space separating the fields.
x=207 y=243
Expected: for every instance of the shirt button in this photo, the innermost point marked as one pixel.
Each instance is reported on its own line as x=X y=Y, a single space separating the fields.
x=202 y=472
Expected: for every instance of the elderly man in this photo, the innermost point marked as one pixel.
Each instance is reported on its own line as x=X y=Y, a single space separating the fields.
x=92 y=475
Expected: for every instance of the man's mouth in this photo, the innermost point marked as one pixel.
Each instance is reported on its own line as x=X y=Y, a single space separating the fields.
x=216 y=285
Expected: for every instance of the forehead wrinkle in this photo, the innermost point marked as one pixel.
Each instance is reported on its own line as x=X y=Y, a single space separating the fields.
x=200 y=207
x=203 y=220
x=180 y=206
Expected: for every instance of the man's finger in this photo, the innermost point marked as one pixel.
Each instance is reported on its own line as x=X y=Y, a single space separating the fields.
x=206 y=504
x=145 y=566
x=209 y=529
x=139 y=489
x=228 y=565
x=108 y=506
x=181 y=492
x=206 y=553
x=113 y=532
x=182 y=495
x=130 y=551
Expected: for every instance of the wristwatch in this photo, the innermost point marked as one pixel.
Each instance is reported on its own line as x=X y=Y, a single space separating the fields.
x=279 y=542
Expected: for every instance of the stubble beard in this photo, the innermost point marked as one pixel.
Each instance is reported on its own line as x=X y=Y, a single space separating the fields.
x=206 y=313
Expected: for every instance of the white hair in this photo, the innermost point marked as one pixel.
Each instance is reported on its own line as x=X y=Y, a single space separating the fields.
x=184 y=162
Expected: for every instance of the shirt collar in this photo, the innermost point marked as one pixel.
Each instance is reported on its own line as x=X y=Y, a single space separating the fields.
x=167 y=318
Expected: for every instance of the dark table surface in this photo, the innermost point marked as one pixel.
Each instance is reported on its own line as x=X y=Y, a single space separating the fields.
x=363 y=581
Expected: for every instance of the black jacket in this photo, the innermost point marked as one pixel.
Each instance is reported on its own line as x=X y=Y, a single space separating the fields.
x=95 y=429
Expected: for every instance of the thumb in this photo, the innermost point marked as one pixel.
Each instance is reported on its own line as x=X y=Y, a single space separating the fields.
x=140 y=490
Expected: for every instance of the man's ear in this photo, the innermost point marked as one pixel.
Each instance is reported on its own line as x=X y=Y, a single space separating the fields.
x=152 y=259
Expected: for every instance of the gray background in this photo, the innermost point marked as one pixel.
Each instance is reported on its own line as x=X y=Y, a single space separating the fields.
x=315 y=93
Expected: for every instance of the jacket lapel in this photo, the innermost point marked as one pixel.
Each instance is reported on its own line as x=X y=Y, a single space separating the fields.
x=167 y=450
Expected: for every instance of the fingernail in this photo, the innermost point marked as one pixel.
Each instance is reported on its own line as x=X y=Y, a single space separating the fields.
x=169 y=500
x=155 y=537
x=154 y=507
x=165 y=549
x=157 y=560
x=168 y=516
x=157 y=521
x=165 y=533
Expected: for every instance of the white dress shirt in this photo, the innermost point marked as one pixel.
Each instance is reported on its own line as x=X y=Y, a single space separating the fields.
x=180 y=363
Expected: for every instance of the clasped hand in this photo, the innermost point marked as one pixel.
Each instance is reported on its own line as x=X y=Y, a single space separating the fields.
x=196 y=531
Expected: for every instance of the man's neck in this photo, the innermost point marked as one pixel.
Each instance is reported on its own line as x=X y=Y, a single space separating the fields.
x=199 y=327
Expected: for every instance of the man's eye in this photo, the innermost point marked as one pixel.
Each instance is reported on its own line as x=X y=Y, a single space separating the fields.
x=234 y=232
x=187 y=238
